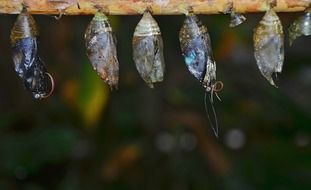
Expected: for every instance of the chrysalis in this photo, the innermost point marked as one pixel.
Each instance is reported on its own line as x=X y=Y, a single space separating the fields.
x=28 y=64
x=148 y=50
x=269 y=45
x=101 y=49
x=196 y=48
x=301 y=26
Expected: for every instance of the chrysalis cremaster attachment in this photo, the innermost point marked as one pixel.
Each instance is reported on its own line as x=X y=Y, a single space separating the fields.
x=301 y=26
x=28 y=64
x=148 y=50
x=269 y=45
x=101 y=49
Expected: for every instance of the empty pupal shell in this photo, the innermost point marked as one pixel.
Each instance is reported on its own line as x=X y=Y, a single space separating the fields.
x=301 y=26
x=269 y=45
x=236 y=19
x=101 y=49
x=196 y=48
x=148 y=50
x=28 y=64
x=62 y=4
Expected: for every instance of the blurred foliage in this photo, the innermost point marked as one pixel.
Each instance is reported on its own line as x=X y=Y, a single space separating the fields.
x=88 y=95
x=86 y=137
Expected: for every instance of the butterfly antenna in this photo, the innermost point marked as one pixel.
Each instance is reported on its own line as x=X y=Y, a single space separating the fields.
x=214 y=127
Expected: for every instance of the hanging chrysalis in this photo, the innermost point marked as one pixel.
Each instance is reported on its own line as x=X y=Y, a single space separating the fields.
x=269 y=45
x=101 y=49
x=148 y=50
x=235 y=18
x=301 y=26
x=196 y=48
x=28 y=64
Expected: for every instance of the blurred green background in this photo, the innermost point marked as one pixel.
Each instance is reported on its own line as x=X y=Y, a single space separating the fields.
x=86 y=137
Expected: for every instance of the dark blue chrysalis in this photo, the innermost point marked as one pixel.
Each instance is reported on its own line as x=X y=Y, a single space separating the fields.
x=196 y=48
x=28 y=64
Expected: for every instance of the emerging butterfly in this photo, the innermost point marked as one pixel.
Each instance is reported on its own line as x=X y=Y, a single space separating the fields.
x=196 y=48
x=28 y=64
x=148 y=50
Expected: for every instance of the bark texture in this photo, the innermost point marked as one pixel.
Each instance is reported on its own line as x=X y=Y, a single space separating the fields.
x=158 y=7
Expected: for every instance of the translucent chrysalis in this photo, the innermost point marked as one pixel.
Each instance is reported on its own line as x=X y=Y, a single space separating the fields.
x=148 y=50
x=269 y=45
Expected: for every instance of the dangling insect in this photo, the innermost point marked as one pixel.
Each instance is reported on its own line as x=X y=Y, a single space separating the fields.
x=301 y=26
x=269 y=45
x=28 y=64
x=148 y=50
x=101 y=49
x=235 y=17
x=196 y=48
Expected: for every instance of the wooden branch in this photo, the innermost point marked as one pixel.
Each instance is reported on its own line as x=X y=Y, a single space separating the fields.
x=132 y=7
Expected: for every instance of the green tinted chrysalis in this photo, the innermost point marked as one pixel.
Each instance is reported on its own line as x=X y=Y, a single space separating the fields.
x=101 y=49
x=269 y=45
x=148 y=50
x=196 y=47
x=28 y=64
